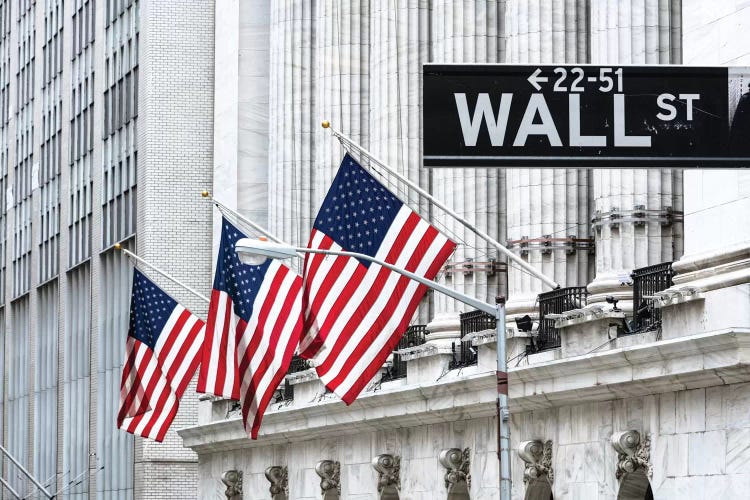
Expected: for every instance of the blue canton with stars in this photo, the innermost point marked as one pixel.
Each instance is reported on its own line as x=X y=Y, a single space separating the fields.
x=150 y=308
x=358 y=210
x=240 y=281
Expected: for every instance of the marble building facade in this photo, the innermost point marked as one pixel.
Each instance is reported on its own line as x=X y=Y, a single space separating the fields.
x=105 y=136
x=591 y=417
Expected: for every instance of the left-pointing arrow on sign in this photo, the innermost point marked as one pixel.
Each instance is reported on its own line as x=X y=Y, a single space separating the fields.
x=535 y=79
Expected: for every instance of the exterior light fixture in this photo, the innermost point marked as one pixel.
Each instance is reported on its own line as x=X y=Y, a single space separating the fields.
x=255 y=252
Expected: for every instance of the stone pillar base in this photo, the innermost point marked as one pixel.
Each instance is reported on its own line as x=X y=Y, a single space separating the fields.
x=444 y=330
x=617 y=284
x=580 y=336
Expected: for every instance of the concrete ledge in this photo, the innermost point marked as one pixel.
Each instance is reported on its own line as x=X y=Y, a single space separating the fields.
x=455 y=397
x=702 y=360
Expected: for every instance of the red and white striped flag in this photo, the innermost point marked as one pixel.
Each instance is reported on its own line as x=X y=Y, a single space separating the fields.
x=253 y=327
x=161 y=356
x=356 y=311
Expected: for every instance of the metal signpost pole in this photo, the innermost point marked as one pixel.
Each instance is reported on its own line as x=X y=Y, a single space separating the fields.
x=248 y=249
x=503 y=414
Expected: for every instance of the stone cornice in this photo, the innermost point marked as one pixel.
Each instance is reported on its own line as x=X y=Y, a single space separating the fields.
x=702 y=360
x=422 y=351
x=706 y=260
x=300 y=377
x=707 y=271
x=454 y=397
x=484 y=337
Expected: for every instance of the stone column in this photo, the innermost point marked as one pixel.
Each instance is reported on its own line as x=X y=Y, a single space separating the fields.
x=399 y=45
x=240 y=106
x=469 y=32
x=633 y=220
x=548 y=209
x=342 y=31
x=291 y=121
x=319 y=66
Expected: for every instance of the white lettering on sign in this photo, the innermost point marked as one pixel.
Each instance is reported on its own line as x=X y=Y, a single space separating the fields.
x=576 y=139
x=689 y=98
x=483 y=112
x=622 y=140
x=535 y=79
x=538 y=120
x=537 y=104
x=664 y=101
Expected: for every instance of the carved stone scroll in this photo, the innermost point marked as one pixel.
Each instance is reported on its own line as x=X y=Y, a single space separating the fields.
x=330 y=478
x=278 y=476
x=388 y=468
x=458 y=465
x=632 y=452
x=538 y=459
x=233 y=481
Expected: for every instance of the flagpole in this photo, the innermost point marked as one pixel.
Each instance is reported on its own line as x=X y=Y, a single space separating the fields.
x=133 y=256
x=489 y=239
x=265 y=232
x=26 y=473
x=12 y=491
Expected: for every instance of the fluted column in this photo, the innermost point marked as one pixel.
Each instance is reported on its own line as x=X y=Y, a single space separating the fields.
x=469 y=32
x=341 y=83
x=291 y=170
x=399 y=45
x=548 y=209
x=634 y=32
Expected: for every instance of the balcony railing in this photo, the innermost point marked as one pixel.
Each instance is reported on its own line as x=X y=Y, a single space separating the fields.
x=413 y=337
x=646 y=282
x=556 y=302
x=286 y=393
x=464 y=354
x=298 y=364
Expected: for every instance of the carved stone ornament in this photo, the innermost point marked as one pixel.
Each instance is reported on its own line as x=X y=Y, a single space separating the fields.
x=278 y=476
x=538 y=459
x=330 y=474
x=233 y=481
x=388 y=468
x=632 y=452
x=458 y=465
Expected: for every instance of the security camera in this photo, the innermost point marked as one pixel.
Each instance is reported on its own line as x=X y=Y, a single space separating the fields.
x=611 y=300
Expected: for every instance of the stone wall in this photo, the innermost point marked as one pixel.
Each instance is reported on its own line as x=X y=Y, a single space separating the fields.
x=699 y=447
x=417 y=447
x=700 y=444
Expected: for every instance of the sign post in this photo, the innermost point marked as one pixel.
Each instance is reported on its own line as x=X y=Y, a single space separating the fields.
x=586 y=116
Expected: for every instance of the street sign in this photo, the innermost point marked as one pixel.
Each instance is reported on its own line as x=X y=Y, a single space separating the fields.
x=586 y=116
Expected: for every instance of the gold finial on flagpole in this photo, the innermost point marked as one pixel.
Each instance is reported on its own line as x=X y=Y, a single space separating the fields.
x=204 y=193
x=325 y=124
x=118 y=246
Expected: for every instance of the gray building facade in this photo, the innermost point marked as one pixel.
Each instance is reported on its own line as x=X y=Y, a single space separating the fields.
x=105 y=136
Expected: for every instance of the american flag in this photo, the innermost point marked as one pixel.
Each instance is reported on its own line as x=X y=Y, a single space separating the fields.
x=161 y=356
x=253 y=327
x=356 y=311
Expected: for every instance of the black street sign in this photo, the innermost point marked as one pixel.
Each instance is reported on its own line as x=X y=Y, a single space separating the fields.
x=586 y=116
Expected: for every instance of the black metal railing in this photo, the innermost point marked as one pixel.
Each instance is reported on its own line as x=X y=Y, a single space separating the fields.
x=298 y=364
x=556 y=302
x=464 y=354
x=286 y=393
x=646 y=282
x=413 y=337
